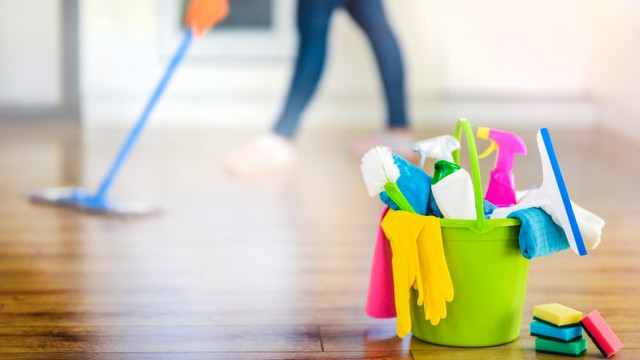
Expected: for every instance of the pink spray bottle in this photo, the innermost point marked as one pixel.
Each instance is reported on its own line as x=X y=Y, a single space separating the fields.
x=502 y=187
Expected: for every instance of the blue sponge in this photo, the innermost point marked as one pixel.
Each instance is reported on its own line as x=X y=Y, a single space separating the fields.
x=565 y=333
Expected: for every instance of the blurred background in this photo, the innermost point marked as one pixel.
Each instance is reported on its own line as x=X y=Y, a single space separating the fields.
x=94 y=63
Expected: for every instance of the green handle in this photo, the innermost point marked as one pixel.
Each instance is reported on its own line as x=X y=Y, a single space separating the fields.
x=396 y=195
x=464 y=124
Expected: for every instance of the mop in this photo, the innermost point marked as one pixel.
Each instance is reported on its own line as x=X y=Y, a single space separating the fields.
x=99 y=202
x=552 y=195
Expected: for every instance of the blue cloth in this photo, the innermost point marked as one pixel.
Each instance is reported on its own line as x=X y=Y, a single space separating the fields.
x=415 y=185
x=313 y=20
x=539 y=235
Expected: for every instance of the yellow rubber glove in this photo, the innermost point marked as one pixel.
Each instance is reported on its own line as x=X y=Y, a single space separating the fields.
x=402 y=229
x=435 y=273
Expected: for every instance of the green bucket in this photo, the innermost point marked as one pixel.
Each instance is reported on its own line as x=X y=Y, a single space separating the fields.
x=488 y=272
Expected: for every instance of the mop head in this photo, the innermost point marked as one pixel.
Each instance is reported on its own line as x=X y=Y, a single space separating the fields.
x=80 y=199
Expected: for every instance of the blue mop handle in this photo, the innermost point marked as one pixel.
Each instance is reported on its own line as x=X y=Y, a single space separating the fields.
x=135 y=132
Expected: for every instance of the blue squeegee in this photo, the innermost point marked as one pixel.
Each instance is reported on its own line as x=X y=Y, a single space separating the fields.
x=79 y=198
x=552 y=196
x=563 y=213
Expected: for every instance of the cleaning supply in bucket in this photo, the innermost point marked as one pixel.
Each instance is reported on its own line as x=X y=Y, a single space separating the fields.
x=601 y=334
x=438 y=287
x=453 y=191
x=380 y=173
x=551 y=194
x=415 y=184
x=590 y=224
x=502 y=186
x=416 y=241
x=406 y=267
x=438 y=148
x=380 y=298
x=539 y=235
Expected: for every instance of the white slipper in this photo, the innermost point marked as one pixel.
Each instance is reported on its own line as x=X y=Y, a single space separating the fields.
x=268 y=154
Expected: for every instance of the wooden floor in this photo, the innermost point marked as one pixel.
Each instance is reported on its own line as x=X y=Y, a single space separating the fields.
x=269 y=268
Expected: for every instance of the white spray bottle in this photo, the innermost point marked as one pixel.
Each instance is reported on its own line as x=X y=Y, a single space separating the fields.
x=451 y=185
x=438 y=148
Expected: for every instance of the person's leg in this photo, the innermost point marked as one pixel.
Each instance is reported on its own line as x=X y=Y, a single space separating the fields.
x=370 y=16
x=313 y=18
x=274 y=151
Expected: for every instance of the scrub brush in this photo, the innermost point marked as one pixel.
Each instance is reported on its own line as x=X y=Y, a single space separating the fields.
x=380 y=173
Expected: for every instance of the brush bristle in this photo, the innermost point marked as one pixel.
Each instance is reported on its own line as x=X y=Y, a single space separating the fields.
x=378 y=169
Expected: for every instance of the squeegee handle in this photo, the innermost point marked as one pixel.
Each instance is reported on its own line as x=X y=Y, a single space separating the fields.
x=137 y=129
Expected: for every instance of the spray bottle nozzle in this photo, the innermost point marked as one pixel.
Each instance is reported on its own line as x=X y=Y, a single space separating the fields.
x=492 y=147
x=483 y=133
x=438 y=148
x=506 y=143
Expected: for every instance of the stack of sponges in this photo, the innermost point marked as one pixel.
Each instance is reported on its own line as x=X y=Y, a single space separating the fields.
x=558 y=330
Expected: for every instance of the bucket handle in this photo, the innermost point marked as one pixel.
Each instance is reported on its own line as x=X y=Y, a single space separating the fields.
x=464 y=124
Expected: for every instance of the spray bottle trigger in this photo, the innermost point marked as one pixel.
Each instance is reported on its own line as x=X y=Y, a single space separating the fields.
x=492 y=147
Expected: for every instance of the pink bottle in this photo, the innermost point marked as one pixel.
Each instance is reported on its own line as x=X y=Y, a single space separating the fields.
x=502 y=187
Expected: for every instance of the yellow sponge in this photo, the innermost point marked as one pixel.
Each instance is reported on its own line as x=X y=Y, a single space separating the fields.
x=557 y=314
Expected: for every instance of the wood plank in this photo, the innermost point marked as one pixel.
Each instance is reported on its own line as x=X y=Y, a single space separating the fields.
x=365 y=355
x=161 y=339
x=182 y=314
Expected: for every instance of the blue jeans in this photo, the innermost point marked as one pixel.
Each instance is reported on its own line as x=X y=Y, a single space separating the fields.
x=313 y=19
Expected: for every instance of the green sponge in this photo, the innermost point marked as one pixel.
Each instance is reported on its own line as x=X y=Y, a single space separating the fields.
x=574 y=348
x=557 y=314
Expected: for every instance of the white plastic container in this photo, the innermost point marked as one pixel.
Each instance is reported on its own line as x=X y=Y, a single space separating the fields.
x=453 y=191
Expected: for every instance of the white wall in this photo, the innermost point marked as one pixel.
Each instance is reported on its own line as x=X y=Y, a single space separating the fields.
x=30 y=60
x=494 y=60
x=514 y=48
x=614 y=68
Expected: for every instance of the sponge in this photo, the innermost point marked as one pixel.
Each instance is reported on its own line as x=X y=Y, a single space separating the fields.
x=566 y=333
x=557 y=314
x=601 y=334
x=575 y=348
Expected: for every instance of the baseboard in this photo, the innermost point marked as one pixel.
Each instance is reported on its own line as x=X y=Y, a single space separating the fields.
x=621 y=121
x=339 y=113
